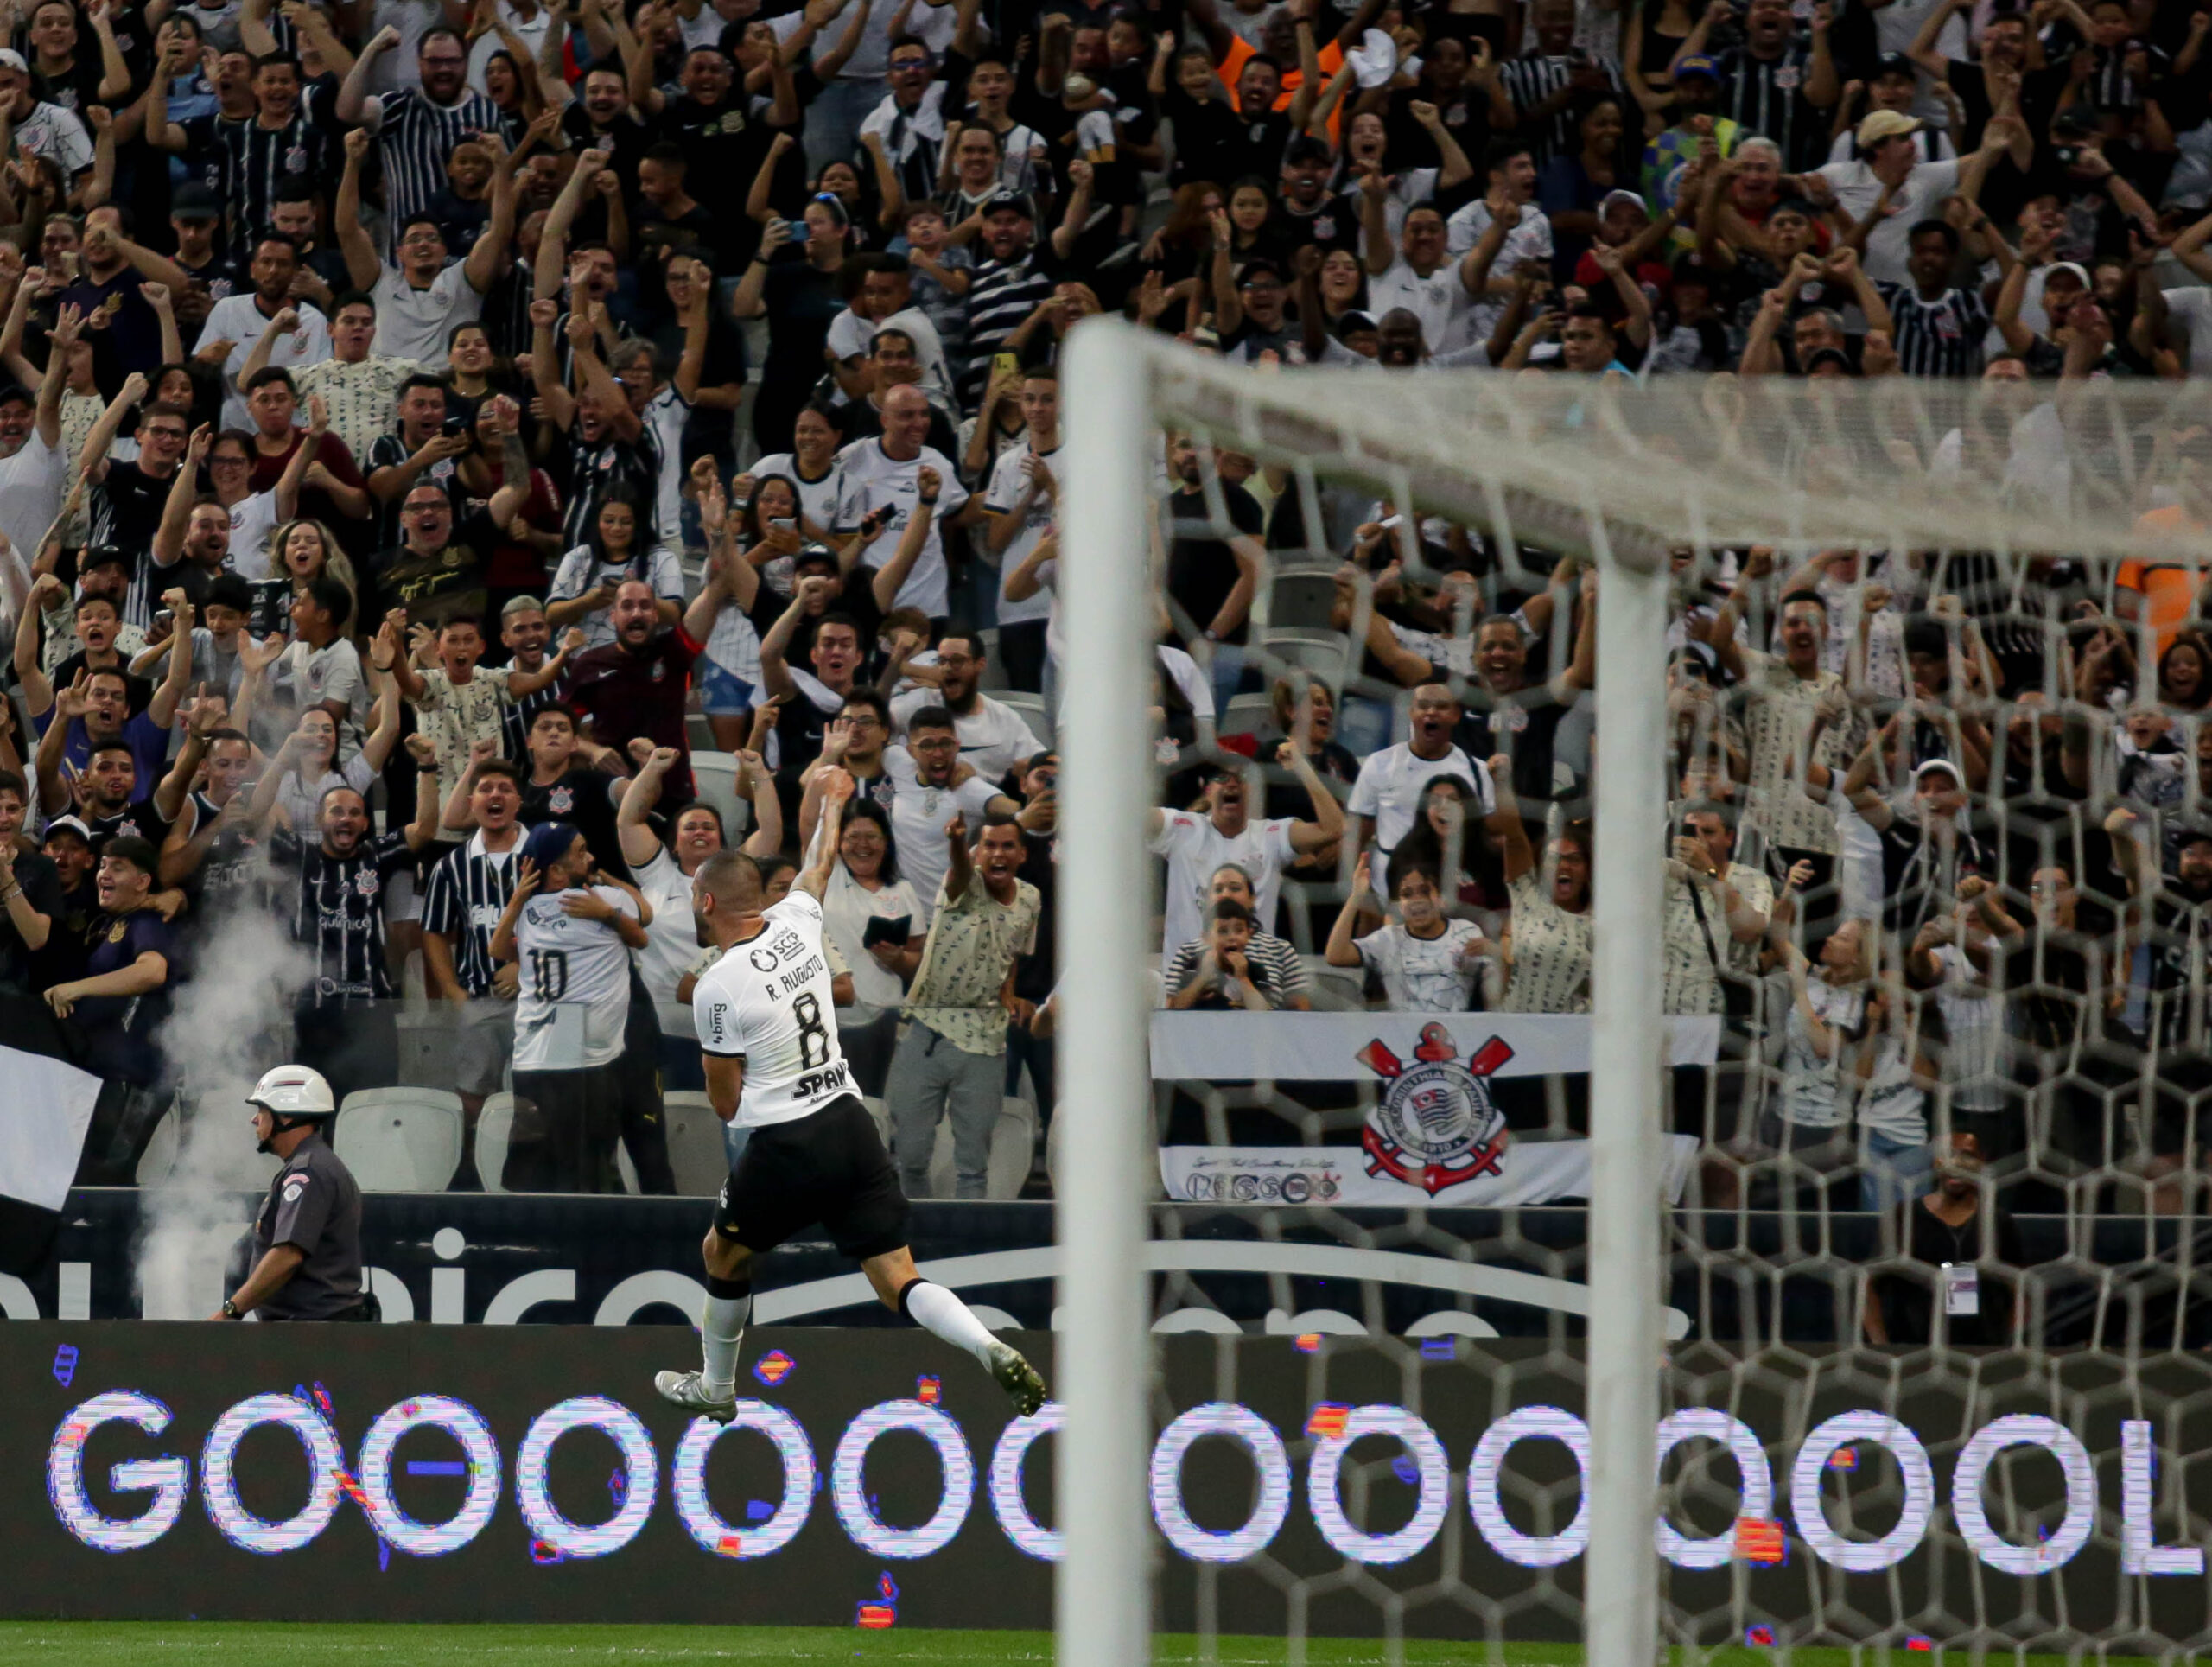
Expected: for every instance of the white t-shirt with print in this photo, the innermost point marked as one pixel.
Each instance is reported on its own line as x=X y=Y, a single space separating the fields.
x=1388 y=793
x=1009 y=480
x=919 y=816
x=574 y=1001
x=579 y=572
x=1424 y=974
x=872 y=479
x=1196 y=850
x=415 y=324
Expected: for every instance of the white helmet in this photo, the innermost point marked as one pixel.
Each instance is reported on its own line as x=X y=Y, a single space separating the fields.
x=293 y=1091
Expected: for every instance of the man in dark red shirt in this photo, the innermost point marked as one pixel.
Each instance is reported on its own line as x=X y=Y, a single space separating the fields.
x=636 y=685
x=333 y=491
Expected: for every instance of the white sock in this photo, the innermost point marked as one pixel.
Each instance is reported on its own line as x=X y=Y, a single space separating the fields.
x=721 y=1329
x=938 y=1311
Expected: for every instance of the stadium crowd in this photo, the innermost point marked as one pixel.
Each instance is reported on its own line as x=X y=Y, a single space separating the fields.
x=429 y=423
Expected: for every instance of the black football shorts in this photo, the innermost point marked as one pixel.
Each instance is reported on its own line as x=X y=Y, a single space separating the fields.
x=829 y=1166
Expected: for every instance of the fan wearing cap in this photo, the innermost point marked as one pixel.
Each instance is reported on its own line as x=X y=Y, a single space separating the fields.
x=196 y=217
x=2078 y=337
x=1697 y=118
x=1888 y=162
x=40 y=129
x=1926 y=852
x=307 y=1236
x=572 y=932
x=1777 y=84
x=1895 y=86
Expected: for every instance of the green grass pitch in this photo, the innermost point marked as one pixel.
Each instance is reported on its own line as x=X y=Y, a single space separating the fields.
x=225 y=1644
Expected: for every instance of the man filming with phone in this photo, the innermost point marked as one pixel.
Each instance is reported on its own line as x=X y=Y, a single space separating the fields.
x=423 y=448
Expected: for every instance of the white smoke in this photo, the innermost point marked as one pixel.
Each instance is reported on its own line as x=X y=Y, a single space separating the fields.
x=223 y=1032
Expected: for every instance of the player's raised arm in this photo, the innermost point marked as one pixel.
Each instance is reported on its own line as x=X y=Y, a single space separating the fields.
x=838 y=790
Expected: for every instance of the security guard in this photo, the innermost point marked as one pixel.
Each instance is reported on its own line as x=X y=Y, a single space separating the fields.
x=306 y=1240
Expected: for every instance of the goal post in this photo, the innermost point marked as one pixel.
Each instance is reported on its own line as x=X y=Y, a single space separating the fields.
x=1120 y=389
x=1101 y=1358
x=1732 y=1271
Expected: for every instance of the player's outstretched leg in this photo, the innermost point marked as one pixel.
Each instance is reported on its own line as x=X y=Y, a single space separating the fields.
x=936 y=1310
x=711 y=1391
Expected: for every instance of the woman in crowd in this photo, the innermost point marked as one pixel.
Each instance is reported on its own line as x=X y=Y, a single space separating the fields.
x=872 y=917
x=1444 y=839
x=582 y=592
x=799 y=297
x=1427 y=963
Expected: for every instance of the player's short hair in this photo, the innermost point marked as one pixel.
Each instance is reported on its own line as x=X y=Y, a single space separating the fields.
x=930 y=718
x=12 y=783
x=353 y=298
x=731 y=877
x=997 y=819
x=497 y=767
x=1401 y=872
x=1230 y=909
x=269 y=374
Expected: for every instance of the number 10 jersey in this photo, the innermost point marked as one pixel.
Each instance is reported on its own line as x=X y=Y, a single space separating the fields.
x=574 y=1001
x=768 y=1002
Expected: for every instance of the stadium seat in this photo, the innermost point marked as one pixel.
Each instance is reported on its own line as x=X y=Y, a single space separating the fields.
x=400 y=1140
x=1014 y=1146
x=158 y=1160
x=715 y=773
x=494 y=1125
x=1321 y=652
x=1247 y=715
x=695 y=1152
x=1302 y=599
x=1033 y=709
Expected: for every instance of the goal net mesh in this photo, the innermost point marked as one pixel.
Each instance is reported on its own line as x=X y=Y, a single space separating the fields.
x=1936 y=695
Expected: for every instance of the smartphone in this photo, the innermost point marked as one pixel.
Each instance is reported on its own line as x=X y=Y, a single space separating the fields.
x=783 y=523
x=455 y=426
x=1005 y=364
x=776 y=221
x=162 y=617
x=882 y=929
x=1391 y=522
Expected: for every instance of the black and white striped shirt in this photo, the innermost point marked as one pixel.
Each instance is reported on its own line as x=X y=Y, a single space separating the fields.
x=249 y=159
x=463 y=901
x=1535 y=76
x=416 y=139
x=1942 y=337
x=338 y=912
x=1001 y=295
x=596 y=466
x=1766 y=95
x=517 y=717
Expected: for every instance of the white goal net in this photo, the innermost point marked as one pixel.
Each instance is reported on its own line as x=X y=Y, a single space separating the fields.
x=1682 y=1124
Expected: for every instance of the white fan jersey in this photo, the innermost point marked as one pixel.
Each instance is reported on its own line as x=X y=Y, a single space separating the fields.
x=768 y=1002
x=575 y=999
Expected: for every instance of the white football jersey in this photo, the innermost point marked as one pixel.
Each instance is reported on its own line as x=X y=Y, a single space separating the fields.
x=768 y=1002
x=575 y=985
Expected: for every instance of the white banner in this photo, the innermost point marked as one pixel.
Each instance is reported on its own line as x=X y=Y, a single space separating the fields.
x=1340 y=1046
x=1538 y=1172
x=49 y=1105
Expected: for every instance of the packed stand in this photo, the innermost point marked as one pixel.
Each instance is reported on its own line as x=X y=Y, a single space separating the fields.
x=466 y=465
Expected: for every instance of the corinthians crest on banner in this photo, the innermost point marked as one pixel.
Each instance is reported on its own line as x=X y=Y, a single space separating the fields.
x=1436 y=1125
